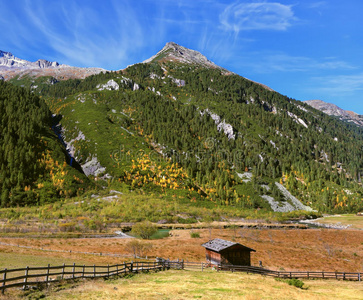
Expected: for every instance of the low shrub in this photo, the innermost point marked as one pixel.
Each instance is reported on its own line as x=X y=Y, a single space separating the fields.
x=293 y=281
x=195 y=235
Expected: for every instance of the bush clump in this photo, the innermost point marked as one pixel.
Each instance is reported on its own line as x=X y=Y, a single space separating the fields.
x=293 y=281
x=194 y=235
x=144 y=229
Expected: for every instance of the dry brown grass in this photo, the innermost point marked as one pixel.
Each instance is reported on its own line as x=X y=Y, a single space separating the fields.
x=310 y=249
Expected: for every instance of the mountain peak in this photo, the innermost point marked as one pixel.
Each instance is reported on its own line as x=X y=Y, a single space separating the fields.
x=334 y=110
x=328 y=108
x=6 y=54
x=174 y=52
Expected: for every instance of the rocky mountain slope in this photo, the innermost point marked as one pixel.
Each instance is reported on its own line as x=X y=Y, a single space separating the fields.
x=333 y=110
x=11 y=67
x=175 y=52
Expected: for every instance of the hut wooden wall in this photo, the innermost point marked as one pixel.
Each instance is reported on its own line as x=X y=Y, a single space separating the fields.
x=235 y=255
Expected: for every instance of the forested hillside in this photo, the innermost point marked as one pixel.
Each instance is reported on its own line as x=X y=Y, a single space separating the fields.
x=218 y=128
x=33 y=162
x=203 y=134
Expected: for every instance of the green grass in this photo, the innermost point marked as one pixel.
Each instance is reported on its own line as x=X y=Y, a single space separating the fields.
x=160 y=234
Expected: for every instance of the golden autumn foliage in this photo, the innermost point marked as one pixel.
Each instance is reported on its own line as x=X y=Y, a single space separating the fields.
x=145 y=171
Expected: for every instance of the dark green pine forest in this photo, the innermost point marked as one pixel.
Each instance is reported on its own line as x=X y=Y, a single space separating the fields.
x=177 y=129
x=33 y=162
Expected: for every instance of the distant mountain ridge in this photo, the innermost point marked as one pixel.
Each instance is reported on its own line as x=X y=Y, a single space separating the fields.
x=11 y=66
x=8 y=60
x=334 y=110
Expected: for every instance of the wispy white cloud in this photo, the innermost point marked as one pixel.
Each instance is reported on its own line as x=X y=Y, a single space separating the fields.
x=256 y=16
x=268 y=63
x=317 y=4
x=109 y=36
x=338 y=85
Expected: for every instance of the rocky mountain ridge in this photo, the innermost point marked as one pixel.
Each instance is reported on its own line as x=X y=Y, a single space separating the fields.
x=174 y=52
x=11 y=66
x=8 y=60
x=334 y=110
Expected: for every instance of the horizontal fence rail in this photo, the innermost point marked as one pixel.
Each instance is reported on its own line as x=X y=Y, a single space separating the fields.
x=292 y=274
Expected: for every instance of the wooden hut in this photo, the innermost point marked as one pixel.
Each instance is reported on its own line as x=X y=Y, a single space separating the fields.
x=219 y=252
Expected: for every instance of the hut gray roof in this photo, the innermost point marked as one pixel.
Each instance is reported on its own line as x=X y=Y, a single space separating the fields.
x=217 y=245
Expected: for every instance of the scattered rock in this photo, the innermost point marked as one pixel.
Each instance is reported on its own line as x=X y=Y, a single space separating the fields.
x=111 y=85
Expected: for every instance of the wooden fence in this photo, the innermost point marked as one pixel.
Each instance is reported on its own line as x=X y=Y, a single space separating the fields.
x=24 y=277
x=30 y=276
x=292 y=274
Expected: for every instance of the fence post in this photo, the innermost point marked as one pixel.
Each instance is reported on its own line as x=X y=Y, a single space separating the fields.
x=358 y=276
x=47 y=278
x=344 y=276
x=308 y=274
x=322 y=274
x=182 y=264
x=108 y=270
x=73 y=270
x=83 y=271
x=131 y=266
x=26 y=277
x=117 y=269
x=336 y=275
x=94 y=270
x=4 y=282
x=63 y=271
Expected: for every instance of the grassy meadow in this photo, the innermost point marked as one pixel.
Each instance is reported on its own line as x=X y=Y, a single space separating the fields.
x=186 y=284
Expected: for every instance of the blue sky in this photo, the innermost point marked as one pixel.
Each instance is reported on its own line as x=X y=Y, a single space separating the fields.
x=304 y=49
